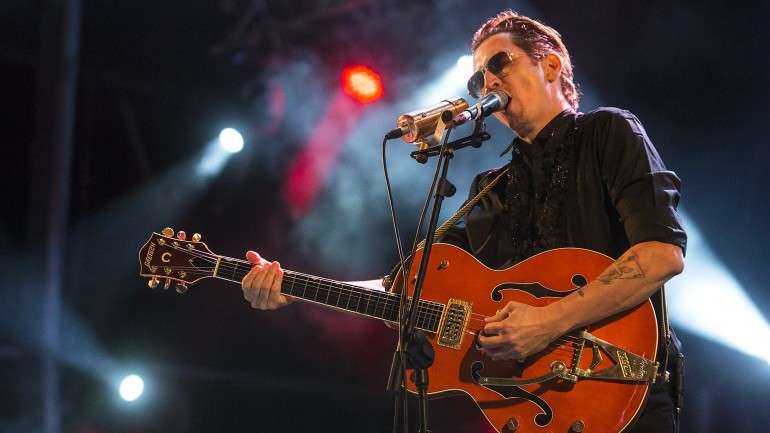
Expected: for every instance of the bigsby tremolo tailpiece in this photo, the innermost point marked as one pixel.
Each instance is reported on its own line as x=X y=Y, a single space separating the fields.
x=628 y=367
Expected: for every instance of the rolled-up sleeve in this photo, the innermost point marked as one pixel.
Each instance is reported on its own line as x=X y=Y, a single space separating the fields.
x=642 y=191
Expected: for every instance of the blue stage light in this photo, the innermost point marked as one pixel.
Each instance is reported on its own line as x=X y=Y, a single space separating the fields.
x=231 y=140
x=708 y=300
x=131 y=387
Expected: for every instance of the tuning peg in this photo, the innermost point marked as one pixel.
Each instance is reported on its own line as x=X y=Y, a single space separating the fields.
x=181 y=235
x=181 y=288
x=196 y=237
x=167 y=284
x=168 y=232
x=153 y=282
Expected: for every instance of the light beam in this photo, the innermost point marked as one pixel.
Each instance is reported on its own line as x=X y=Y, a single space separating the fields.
x=708 y=300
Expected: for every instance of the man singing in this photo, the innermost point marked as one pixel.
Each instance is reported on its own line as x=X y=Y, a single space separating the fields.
x=590 y=180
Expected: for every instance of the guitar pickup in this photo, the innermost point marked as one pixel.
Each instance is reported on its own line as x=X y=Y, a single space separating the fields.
x=453 y=323
x=629 y=367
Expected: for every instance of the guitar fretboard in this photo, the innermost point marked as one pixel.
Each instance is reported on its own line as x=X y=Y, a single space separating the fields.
x=355 y=299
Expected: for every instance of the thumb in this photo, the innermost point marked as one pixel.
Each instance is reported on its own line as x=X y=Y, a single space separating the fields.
x=253 y=257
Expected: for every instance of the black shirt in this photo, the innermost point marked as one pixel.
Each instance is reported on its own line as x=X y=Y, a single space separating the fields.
x=618 y=191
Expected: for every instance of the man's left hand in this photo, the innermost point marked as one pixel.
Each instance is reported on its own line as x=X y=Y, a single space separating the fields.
x=517 y=331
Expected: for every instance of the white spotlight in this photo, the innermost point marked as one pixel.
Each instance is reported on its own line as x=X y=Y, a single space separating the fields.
x=451 y=82
x=231 y=140
x=465 y=64
x=131 y=387
x=709 y=301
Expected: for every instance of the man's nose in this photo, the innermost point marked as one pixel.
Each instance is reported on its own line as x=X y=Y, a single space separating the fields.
x=491 y=81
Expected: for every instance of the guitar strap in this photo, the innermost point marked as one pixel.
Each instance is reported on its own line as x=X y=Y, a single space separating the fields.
x=387 y=280
x=465 y=208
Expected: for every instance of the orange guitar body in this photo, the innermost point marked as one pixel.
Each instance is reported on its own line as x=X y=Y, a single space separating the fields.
x=555 y=405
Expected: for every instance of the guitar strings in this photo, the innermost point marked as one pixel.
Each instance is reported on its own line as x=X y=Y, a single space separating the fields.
x=432 y=307
x=553 y=347
x=431 y=311
x=427 y=311
x=425 y=315
x=227 y=264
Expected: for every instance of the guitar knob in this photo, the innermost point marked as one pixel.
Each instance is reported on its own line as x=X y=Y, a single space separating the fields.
x=577 y=426
x=512 y=424
x=167 y=284
x=181 y=235
x=196 y=237
x=181 y=288
x=168 y=232
x=153 y=282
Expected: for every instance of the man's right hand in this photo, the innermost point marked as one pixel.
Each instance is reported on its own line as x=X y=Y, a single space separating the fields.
x=262 y=285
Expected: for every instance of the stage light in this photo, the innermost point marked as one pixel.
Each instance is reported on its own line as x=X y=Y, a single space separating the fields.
x=362 y=83
x=231 y=140
x=450 y=82
x=218 y=152
x=708 y=300
x=131 y=387
x=465 y=64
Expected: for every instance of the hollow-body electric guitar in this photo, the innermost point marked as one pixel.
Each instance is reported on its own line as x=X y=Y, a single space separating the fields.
x=590 y=380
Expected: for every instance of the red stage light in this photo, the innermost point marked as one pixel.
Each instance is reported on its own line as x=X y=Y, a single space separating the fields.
x=362 y=83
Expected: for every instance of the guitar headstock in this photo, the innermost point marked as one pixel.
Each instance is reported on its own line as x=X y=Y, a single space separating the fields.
x=174 y=258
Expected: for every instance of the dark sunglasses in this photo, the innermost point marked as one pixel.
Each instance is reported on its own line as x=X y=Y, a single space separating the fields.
x=495 y=65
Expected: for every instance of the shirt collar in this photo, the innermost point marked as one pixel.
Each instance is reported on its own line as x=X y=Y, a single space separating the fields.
x=558 y=123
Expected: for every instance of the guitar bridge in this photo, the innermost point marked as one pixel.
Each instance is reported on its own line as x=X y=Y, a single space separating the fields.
x=628 y=367
x=453 y=323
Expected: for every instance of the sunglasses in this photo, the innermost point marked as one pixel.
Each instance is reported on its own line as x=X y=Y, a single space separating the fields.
x=496 y=64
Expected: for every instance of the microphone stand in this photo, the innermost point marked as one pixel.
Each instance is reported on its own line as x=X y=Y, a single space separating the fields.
x=413 y=350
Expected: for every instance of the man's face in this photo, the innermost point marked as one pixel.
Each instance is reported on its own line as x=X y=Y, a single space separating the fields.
x=524 y=80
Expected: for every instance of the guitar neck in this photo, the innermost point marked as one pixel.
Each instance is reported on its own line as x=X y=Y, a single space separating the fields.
x=359 y=300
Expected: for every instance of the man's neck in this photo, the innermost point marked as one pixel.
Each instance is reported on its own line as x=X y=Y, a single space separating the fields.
x=528 y=132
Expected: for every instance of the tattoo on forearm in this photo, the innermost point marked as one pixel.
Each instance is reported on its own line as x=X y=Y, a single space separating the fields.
x=625 y=269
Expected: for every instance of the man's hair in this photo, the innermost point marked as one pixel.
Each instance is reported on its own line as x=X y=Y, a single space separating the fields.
x=537 y=40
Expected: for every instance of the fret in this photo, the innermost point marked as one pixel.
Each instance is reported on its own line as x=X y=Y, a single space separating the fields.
x=242 y=270
x=378 y=305
x=371 y=304
x=291 y=288
x=313 y=289
x=317 y=290
x=304 y=289
x=344 y=298
x=357 y=296
x=362 y=303
x=347 y=303
x=327 y=286
x=356 y=299
x=423 y=321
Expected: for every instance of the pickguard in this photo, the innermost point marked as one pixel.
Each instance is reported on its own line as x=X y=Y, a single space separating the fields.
x=514 y=392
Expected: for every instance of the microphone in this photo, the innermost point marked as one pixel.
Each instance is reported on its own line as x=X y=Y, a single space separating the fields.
x=496 y=100
x=417 y=126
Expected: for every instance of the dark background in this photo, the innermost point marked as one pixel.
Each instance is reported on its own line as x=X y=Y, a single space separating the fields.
x=156 y=81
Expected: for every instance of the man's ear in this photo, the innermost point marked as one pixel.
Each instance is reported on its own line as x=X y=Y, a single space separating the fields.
x=551 y=65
